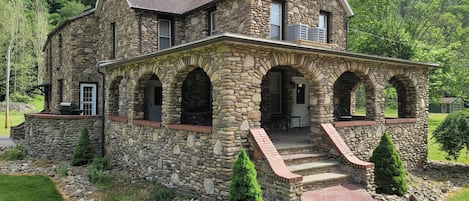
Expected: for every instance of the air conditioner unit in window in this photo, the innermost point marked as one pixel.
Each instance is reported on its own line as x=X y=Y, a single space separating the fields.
x=318 y=34
x=297 y=31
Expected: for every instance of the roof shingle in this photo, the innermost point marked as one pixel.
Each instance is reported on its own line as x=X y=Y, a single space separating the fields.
x=168 y=6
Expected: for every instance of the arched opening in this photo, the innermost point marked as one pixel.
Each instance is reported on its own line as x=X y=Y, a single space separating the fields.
x=401 y=92
x=149 y=98
x=352 y=91
x=285 y=99
x=196 y=102
x=118 y=98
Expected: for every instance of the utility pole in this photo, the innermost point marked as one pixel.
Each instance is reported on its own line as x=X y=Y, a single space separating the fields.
x=7 y=84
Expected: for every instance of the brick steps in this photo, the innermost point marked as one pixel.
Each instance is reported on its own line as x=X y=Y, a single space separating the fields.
x=315 y=167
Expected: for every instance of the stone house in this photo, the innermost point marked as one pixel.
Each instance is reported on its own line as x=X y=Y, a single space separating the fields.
x=172 y=90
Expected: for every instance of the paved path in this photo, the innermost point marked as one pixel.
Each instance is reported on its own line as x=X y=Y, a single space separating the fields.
x=346 y=192
x=6 y=142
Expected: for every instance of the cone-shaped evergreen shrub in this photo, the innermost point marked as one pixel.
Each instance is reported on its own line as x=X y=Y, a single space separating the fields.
x=244 y=184
x=390 y=177
x=83 y=152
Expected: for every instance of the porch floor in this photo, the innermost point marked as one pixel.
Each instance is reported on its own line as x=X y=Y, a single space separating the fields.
x=294 y=137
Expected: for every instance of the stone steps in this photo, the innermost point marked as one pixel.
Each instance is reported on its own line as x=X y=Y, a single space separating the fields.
x=318 y=170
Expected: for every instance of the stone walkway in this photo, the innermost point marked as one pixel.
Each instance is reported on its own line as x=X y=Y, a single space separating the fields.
x=346 y=192
x=6 y=142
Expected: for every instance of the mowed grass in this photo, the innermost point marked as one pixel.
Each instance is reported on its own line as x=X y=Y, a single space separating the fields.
x=459 y=195
x=31 y=188
x=15 y=118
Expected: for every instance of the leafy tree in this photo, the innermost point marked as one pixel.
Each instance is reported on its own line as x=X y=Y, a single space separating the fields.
x=453 y=134
x=390 y=177
x=244 y=184
x=83 y=152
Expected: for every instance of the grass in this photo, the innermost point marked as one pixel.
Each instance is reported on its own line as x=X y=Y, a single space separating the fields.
x=15 y=118
x=31 y=188
x=460 y=195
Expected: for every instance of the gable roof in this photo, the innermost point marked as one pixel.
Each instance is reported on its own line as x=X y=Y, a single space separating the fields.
x=184 y=6
x=171 y=6
x=448 y=100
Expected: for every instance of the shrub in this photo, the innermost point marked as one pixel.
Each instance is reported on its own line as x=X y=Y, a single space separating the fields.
x=99 y=172
x=163 y=194
x=15 y=153
x=453 y=134
x=244 y=185
x=83 y=152
x=16 y=97
x=390 y=177
x=62 y=170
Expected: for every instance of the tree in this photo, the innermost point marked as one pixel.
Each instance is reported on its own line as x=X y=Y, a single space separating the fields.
x=244 y=184
x=83 y=152
x=453 y=134
x=390 y=177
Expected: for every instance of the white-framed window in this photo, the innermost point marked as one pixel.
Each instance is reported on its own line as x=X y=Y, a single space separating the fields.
x=164 y=34
x=88 y=98
x=324 y=18
x=276 y=19
x=213 y=22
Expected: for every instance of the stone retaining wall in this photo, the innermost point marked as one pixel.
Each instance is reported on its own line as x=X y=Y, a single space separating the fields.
x=54 y=137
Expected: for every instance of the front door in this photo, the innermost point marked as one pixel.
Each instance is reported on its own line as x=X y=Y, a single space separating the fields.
x=88 y=98
x=300 y=95
x=153 y=100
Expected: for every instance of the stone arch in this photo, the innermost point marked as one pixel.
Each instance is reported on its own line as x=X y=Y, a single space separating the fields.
x=344 y=87
x=147 y=97
x=305 y=66
x=173 y=96
x=406 y=95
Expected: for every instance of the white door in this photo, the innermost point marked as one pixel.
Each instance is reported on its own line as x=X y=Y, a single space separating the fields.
x=300 y=102
x=88 y=98
x=153 y=100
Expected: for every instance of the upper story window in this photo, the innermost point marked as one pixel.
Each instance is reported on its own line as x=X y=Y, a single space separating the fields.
x=60 y=50
x=60 y=90
x=276 y=20
x=113 y=40
x=164 y=34
x=324 y=22
x=212 y=22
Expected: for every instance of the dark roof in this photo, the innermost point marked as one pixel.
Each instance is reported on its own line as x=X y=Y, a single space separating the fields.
x=168 y=6
x=448 y=100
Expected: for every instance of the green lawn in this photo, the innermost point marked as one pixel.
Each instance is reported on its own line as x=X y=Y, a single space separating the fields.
x=31 y=188
x=15 y=118
x=460 y=195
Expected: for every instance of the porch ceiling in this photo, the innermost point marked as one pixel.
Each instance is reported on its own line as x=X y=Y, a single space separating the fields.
x=265 y=43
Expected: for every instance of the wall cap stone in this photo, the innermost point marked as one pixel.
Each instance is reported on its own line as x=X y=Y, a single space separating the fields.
x=57 y=116
x=154 y=124
x=400 y=120
x=353 y=123
x=117 y=118
x=193 y=128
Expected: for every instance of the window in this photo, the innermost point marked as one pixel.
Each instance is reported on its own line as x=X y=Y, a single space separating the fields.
x=60 y=90
x=164 y=34
x=60 y=50
x=113 y=40
x=300 y=93
x=324 y=22
x=213 y=22
x=276 y=20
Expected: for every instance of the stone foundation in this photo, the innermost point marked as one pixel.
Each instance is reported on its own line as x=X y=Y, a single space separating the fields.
x=54 y=137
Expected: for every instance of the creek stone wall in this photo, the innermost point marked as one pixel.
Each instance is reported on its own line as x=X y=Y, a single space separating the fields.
x=187 y=160
x=54 y=137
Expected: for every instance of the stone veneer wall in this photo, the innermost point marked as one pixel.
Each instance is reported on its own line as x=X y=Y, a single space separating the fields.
x=54 y=137
x=188 y=160
x=236 y=70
